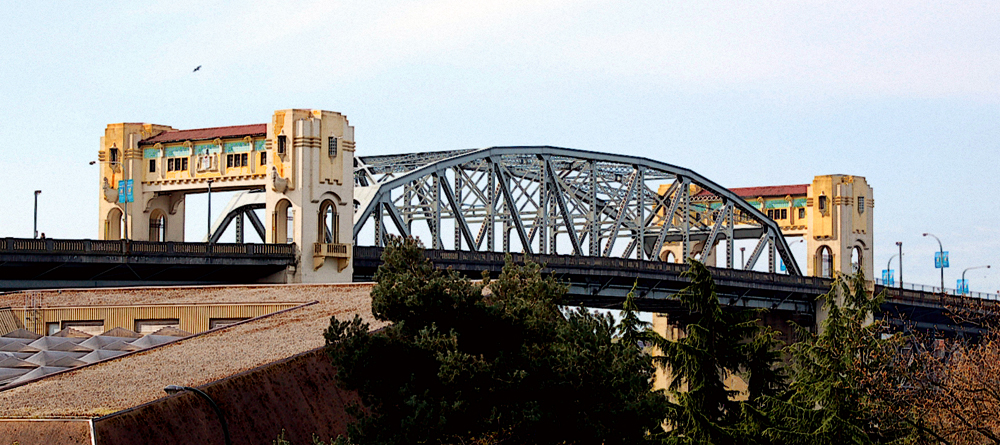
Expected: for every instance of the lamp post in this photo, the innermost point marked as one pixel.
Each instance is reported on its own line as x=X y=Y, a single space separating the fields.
x=900 y=245
x=968 y=269
x=37 y=192
x=941 y=250
x=174 y=389
x=888 y=264
x=209 y=211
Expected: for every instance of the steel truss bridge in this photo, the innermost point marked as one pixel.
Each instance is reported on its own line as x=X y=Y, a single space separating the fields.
x=600 y=221
x=550 y=200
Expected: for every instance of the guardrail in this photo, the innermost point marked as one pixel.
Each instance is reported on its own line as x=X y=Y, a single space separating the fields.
x=939 y=290
x=143 y=248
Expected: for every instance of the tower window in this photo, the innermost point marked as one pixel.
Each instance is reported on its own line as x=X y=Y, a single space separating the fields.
x=802 y=212
x=263 y=158
x=332 y=146
x=861 y=204
x=113 y=155
x=822 y=204
x=152 y=165
x=236 y=160
x=282 y=140
x=177 y=164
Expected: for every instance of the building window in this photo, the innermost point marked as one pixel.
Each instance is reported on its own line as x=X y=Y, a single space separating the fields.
x=152 y=165
x=281 y=144
x=214 y=323
x=92 y=327
x=332 y=147
x=146 y=327
x=263 y=158
x=822 y=204
x=113 y=155
x=861 y=204
x=784 y=214
x=802 y=213
x=177 y=164
x=236 y=160
x=770 y=213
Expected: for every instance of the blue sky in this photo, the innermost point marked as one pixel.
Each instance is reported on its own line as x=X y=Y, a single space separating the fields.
x=904 y=93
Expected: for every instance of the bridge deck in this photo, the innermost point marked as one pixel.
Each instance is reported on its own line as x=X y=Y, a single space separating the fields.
x=55 y=263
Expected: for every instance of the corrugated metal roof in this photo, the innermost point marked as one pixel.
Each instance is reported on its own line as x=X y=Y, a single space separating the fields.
x=200 y=134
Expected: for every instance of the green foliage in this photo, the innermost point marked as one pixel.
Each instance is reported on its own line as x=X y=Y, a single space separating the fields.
x=828 y=401
x=496 y=362
x=716 y=344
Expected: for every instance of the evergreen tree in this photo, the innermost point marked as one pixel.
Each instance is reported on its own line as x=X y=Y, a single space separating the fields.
x=827 y=401
x=716 y=345
x=496 y=362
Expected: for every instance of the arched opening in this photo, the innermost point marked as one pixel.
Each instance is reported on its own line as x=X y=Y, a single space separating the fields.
x=157 y=227
x=282 y=220
x=824 y=261
x=328 y=222
x=113 y=225
x=856 y=259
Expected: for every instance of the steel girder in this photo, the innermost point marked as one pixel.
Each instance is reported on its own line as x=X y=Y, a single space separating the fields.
x=551 y=200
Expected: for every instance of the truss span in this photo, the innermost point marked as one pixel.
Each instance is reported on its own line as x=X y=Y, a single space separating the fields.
x=556 y=201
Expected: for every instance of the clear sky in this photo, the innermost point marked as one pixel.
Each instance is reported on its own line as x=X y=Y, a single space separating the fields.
x=904 y=93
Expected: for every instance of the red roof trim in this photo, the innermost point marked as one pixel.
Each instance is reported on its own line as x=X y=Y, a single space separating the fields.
x=199 y=134
x=765 y=191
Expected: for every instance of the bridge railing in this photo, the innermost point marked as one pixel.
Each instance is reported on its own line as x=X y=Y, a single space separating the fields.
x=145 y=248
x=938 y=290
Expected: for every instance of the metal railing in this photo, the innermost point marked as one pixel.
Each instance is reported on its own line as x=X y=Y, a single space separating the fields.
x=938 y=290
x=143 y=248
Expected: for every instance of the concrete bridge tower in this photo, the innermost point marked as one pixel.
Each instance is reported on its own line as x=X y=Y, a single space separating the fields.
x=839 y=240
x=302 y=161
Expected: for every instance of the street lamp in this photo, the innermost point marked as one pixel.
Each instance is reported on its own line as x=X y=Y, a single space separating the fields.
x=743 y=262
x=900 y=245
x=888 y=264
x=941 y=250
x=968 y=269
x=174 y=389
x=37 y=192
x=209 y=210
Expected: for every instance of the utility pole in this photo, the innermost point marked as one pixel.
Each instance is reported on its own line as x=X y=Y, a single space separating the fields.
x=900 y=245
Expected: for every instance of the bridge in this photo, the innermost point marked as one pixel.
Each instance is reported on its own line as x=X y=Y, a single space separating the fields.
x=602 y=221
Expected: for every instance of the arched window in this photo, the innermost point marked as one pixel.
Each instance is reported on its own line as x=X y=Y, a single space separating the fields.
x=282 y=218
x=328 y=222
x=157 y=227
x=113 y=225
x=824 y=259
x=856 y=259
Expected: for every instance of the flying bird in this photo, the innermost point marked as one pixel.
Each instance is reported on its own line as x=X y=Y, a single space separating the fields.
x=196 y=69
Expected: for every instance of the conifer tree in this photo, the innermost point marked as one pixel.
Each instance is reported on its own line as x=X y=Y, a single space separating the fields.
x=827 y=402
x=716 y=344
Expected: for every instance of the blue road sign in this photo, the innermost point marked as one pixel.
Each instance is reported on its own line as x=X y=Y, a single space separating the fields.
x=783 y=268
x=940 y=260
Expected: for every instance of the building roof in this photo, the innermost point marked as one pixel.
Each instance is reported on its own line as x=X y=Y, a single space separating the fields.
x=129 y=380
x=765 y=191
x=199 y=134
